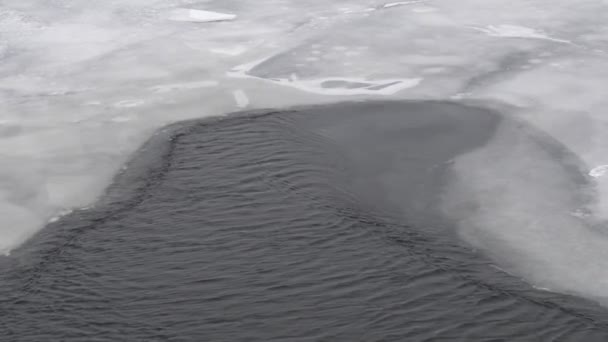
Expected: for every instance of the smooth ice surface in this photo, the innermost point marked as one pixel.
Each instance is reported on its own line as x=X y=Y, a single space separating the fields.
x=83 y=83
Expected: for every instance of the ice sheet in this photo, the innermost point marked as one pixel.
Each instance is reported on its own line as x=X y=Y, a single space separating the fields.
x=83 y=84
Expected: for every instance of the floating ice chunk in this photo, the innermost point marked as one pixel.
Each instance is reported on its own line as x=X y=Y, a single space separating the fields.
x=199 y=16
x=241 y=98
x=599 y=171
x=514 y=31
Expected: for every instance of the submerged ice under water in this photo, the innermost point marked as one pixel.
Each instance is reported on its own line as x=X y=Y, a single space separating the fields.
x=83 y=84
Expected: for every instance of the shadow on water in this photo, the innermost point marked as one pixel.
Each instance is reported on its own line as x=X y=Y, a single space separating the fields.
x=316 y=223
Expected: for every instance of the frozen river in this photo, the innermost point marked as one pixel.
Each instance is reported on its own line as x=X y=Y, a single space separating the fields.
x=83 y=84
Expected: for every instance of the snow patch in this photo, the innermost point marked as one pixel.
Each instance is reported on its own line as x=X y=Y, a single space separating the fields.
x=515 y=31
x=401 y=3
x=129 y=103
x=598 y=171
x=199 y=16
x=230 y=51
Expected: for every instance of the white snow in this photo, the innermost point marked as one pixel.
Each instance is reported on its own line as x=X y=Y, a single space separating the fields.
x=199 y=16
x=598 y=171
x=230 y=51
x=401 y=3
x=515 y=31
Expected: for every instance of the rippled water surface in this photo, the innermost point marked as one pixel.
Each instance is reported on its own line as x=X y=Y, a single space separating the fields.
x=314 y=224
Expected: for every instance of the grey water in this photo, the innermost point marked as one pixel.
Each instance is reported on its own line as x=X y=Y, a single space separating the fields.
x=316 y=223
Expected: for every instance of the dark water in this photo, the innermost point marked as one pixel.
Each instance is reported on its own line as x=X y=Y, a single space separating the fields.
x=317 y=224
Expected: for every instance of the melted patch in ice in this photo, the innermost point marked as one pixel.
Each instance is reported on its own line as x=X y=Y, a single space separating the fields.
x=336 y=86
x=351 y=86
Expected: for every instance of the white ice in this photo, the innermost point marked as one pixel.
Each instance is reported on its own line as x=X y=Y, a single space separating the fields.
x=83 y=84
